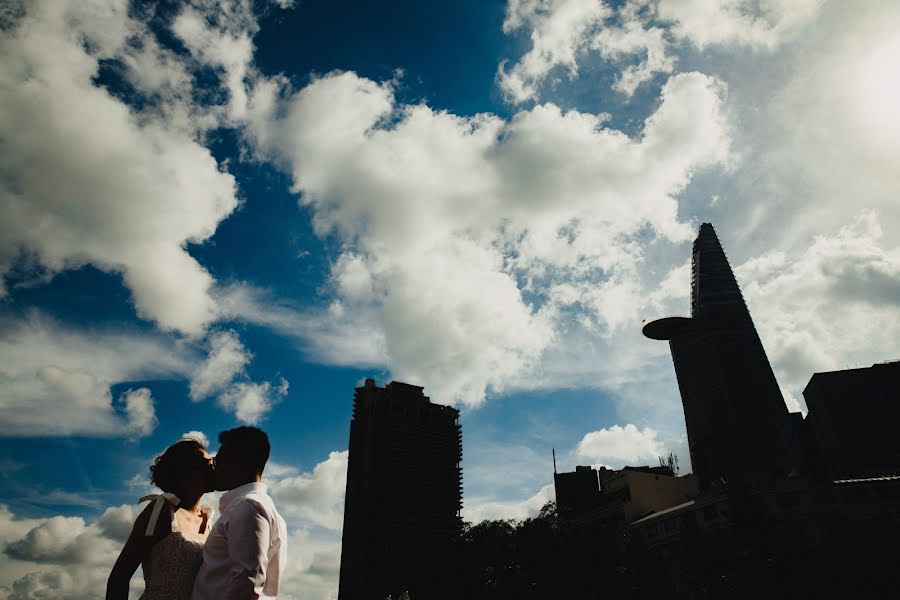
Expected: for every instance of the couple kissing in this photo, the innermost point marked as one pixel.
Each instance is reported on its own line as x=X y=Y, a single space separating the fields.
x=184 y=555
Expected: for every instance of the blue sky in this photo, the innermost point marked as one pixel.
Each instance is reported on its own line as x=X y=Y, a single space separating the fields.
x=221 y=213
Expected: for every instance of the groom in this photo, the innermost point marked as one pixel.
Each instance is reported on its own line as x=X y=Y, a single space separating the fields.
x=246 y=551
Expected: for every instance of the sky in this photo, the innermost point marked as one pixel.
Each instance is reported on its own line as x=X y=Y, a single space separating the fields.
x=219 y=213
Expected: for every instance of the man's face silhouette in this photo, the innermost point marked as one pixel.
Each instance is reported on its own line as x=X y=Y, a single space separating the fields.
x=231 y=472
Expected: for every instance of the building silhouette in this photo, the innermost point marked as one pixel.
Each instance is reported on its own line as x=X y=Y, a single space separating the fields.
x=578 y=491
x=404 y=493
x=588 y=495
x=739 y=430
x=854 y=420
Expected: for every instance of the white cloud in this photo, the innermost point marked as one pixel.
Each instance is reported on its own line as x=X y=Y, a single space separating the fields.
x=762 y=23
x=61 y=540
x=833 y=305
x=449 y=220
x=824 y=139
x=518 y=510
x=221 y=35
x=333 y=334
x=313 y=566
x=86 y=179
x=352 y=278
x=559 y=32
x=564 y=32
x=634 y=38
x=251 y=401
x=312 y=504
x=54 y=558
x=48 y=369
x=116 y=522
x=316 y=498
x=197 y=435
x=619 y=446
x=13 y=528
x=139 y=412
x=276 y=470
x=223 y=374
x=227 y=359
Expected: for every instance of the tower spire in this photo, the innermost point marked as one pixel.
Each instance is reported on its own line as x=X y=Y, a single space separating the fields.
x=733 y=408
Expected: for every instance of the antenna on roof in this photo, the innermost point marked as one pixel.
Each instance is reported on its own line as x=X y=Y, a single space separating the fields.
x=554 y=461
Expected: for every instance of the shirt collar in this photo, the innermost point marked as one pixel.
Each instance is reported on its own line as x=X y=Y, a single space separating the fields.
x=239 y=492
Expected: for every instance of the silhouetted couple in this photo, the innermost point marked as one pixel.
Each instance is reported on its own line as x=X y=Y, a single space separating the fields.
x=184 y=555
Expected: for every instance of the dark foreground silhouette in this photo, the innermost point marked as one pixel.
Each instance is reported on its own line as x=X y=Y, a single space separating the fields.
x=757 y=556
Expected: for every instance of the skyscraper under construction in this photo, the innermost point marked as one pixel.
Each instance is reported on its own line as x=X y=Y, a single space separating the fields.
x=404 y=493
x=739 y=429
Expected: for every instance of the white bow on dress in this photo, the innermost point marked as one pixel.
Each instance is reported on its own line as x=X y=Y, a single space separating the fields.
x=160 y=500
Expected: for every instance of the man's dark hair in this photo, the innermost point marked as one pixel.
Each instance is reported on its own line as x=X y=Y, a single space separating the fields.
x=250 y=443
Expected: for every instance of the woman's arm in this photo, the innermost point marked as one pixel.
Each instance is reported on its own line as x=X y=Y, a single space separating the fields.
x=133 y=554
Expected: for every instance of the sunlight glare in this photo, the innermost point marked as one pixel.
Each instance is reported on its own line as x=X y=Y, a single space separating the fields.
x=879 y=92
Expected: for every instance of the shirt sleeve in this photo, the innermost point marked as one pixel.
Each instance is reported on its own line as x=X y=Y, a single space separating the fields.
x=248 y=551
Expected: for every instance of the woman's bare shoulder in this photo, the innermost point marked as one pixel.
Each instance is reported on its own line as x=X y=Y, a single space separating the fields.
x=163 y=523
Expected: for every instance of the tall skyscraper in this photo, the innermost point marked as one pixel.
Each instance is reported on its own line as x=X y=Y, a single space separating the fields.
x=739 y=430
x=404 y=494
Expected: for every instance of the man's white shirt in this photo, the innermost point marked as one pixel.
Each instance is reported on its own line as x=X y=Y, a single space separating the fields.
x=245 y=553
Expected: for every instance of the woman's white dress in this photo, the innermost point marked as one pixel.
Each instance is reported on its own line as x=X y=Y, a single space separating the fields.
x=173 y=562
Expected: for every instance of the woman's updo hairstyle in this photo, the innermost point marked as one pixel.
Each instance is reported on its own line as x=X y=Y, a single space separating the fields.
x=167 y=470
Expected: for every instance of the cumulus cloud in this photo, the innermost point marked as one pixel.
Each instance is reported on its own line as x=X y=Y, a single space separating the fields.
x=764 y=23
x=227 y=358
x=619 y=446
x=251 y=401
x=86 y=179
x=316 y=497
x=61 y=540
x=820 y=143
x=116 y=522
x=222 y=374
x=559 y=32
x=630 y=38
x=60 y=557
x=313 y=566
x=50 y=369
x=221 y=35
x=13 y=528
x=447 y=222
x=312 y=504
x=833 y=305
x=139 y=411
x=564 y=32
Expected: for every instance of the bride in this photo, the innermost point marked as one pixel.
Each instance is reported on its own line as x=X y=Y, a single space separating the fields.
x=168 y=536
